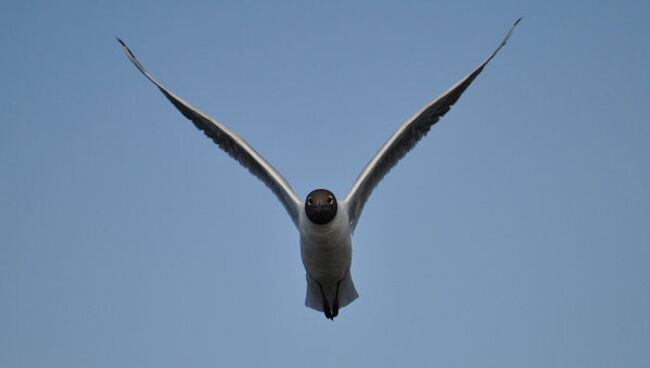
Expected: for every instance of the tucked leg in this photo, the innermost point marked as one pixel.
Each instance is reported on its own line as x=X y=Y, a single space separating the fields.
x=326 y=306
x=335 y=305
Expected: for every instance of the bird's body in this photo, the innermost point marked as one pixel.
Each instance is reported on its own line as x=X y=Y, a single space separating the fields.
x=324 y=223
x=326 y=252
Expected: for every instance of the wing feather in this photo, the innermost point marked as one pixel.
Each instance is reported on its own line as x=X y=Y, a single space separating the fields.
x=406 y=137
x=230 y=143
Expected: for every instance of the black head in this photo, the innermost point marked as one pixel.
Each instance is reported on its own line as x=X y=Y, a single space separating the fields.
x=320 y=206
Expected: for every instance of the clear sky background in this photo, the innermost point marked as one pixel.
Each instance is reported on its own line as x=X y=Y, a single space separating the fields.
x=516 y=234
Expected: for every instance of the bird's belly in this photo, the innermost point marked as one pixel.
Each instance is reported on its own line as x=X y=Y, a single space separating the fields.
x=326 y=259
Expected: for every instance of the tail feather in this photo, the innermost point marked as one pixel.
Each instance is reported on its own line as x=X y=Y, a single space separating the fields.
x=314 y=298
x=347 y=291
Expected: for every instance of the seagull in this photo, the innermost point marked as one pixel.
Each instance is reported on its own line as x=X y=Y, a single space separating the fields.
x=324 y=222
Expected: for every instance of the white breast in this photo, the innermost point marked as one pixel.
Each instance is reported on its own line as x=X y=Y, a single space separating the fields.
x=326 y=250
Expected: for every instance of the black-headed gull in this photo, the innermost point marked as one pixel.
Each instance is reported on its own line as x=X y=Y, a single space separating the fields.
x=326 y=224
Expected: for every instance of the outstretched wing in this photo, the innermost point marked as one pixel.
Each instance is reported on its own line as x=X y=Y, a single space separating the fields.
x=231 y=143
x=406 y=137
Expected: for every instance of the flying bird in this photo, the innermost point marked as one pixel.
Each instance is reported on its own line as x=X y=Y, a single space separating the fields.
x=324 y=222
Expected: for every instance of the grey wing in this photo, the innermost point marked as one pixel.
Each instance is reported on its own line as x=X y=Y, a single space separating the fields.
x=231 y=143
x=406 y=137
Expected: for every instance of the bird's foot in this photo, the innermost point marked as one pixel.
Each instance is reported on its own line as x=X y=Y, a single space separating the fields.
x=335 y=305
x=328 y=312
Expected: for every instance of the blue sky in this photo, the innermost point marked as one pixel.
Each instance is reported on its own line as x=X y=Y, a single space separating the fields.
x=517 y=233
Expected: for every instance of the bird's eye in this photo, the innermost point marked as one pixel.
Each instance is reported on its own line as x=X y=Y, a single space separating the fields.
x=309 y=201
x=330 y=199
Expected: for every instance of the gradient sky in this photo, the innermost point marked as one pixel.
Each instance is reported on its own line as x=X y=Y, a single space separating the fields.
x=516 y=234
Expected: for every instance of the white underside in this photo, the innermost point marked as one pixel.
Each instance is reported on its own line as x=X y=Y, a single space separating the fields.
x=326 y=252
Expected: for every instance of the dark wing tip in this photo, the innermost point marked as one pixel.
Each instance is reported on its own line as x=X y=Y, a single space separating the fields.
x=505 y=40
x=125 y=47
x=512 y=29
x=133 y=59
